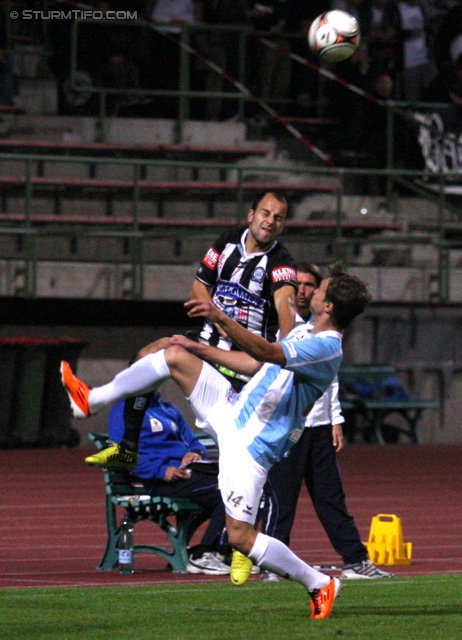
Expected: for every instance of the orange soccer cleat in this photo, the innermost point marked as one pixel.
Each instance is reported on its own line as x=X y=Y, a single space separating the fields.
x=77 y=391
x=322 y=600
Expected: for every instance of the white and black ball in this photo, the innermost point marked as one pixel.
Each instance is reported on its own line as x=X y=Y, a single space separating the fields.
x=334 y=36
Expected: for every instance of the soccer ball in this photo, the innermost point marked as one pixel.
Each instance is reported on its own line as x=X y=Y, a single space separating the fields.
x=334 y=36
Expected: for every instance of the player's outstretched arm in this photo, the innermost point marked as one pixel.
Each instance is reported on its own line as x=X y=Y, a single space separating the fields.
x=235 y=360
x=254 y=345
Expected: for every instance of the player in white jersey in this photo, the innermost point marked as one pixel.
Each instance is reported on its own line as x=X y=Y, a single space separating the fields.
x=313 y=461
x=257 y=426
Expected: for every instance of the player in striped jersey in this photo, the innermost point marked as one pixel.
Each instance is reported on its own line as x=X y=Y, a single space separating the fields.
x=251 y=276
x=256 y=427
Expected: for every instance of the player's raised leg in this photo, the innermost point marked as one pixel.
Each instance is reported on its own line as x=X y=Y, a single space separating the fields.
x=144 y=375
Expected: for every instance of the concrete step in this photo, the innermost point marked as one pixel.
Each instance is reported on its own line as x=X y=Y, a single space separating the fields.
x=80 y=279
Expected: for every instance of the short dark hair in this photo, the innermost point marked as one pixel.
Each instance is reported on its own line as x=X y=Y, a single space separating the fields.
x=281 y=197
x=312 y=269
x=347 y=293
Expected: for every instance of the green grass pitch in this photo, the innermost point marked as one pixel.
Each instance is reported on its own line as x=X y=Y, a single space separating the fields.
x=412 y=608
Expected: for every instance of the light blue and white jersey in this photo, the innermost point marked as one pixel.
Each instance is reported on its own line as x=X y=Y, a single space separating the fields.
x=270 y=412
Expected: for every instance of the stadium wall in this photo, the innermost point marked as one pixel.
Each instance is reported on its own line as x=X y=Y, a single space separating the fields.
x=423 y=341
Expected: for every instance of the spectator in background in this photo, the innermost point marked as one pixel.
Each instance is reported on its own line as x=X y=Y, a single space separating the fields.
x=418 y=67
x=366 y=142
x=164 y=53
x=272 y=69
x=106 y=56
x=222 y=47
x=380 y=28
x=373 y=133
x=168 y=450
x=118 y=70
x=437 y=12
x=447 y=87
x=405 y=150
x=346 y=106
x=313 y=460
x=6 y=72
x=59 y=60
x=447 y=34
x=304 y=82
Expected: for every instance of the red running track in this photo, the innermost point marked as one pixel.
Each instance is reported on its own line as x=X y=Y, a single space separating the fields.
x=52 y=521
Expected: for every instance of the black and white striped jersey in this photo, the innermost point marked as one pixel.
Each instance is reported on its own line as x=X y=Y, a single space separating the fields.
x=243 y=285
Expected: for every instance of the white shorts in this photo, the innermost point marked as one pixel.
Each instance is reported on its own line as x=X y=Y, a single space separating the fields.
x=240 y=478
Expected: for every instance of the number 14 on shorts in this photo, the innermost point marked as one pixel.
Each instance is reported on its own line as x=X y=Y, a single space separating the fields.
x=236 y=500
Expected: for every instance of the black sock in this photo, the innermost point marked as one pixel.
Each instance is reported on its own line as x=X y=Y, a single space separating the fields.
x=134 y=411
x=199 y=551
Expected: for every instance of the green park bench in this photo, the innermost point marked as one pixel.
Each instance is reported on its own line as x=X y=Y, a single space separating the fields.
x=177 y=517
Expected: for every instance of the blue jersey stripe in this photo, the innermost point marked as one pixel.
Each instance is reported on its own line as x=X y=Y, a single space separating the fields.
x=270 y=411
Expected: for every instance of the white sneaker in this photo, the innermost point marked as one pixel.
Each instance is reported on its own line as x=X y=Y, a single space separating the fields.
x=269 y=576
x=363 y=570
x=209 y=564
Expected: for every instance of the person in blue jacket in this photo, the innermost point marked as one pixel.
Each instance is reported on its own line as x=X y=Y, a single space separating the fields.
x=167 y=449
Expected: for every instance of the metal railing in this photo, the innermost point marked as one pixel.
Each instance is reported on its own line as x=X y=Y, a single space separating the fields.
x=394 y=177
x=184 y=92
x=138 y=230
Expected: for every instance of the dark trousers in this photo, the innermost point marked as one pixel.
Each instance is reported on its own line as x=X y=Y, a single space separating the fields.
x=203 y=489
x=313 y=460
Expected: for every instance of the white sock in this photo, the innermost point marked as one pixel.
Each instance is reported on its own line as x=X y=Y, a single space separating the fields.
x=141 y=377
x=272 y=555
